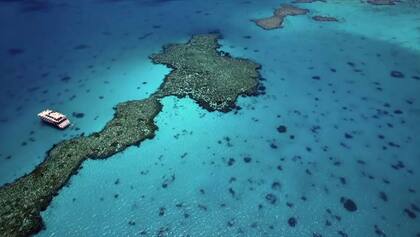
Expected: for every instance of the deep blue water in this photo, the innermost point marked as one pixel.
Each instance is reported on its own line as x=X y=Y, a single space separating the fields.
x=352 y=127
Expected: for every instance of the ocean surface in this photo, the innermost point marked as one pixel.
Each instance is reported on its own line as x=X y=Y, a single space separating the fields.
x=348 y=93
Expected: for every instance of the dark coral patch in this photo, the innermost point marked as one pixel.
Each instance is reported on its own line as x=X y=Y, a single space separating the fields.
x=65 y=79
x=397 y=74
x=382 y=2
x=78 y=114
x=281 y=129
x=383 y=196
x=410 y=213
x=271 y=198
x=348 y=204
x=307 y=1
x=15 y=51
x=324 y=18
x=292 y=222
x=276 y=186
x=231 y=161
x=247 y=159
x=81 y=46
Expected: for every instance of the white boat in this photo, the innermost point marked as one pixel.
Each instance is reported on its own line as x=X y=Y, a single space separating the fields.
x=55 y=118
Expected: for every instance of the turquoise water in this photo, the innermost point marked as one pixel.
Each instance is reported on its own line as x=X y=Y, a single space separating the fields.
x=352 y=128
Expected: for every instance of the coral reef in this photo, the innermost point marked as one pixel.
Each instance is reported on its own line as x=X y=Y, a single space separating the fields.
x=382 y=2
x=276 y=21
x=22 y=201
x=212 y=78
x=307 y=1
x=324 y=18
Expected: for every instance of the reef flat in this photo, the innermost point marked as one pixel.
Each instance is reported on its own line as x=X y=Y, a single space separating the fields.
x=214 y=79
x=276 y=21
